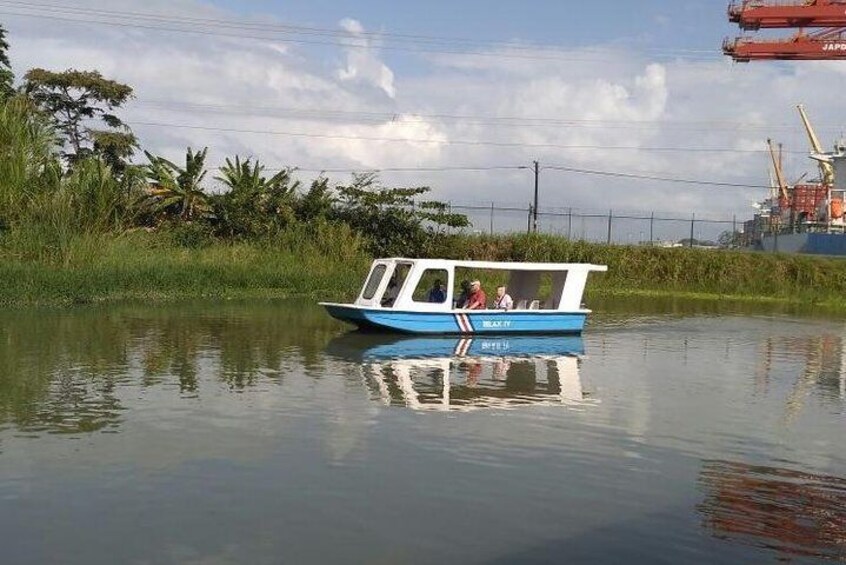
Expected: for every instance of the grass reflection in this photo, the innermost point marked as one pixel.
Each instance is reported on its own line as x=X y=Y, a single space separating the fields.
x=59 y=369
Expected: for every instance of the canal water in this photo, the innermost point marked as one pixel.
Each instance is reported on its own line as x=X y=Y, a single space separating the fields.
x=261 y=433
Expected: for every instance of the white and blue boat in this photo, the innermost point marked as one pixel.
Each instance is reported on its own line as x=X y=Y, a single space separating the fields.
x=403 y=296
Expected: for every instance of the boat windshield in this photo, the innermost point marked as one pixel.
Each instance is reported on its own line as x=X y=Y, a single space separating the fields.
x=372 y=284
x=395 y=284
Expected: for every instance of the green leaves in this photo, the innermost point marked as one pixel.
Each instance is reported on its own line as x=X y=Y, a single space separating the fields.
x=7 y=77
x=73 y=98
x=176 y=191
x=254 y=205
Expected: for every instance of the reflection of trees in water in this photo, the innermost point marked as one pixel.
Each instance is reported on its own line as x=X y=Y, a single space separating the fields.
x=59 y=370
x=794 y=513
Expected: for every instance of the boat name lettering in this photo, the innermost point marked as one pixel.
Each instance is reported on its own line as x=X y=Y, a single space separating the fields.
x=834 y=47
x=495 y=346
x=488 y=324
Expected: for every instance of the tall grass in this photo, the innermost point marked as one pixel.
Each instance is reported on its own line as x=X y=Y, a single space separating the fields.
x=150 y=266
x=29 y=165
x=638 y=269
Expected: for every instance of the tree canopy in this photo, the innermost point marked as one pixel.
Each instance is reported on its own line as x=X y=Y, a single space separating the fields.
x=76 y=98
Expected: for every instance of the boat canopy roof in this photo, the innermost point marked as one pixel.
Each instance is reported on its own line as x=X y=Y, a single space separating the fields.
x=501 y=266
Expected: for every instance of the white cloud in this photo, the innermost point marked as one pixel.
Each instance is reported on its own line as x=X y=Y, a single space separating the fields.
x=363 y=63
x=603 y=97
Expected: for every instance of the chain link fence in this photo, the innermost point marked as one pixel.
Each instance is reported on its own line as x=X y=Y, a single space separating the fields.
x=624 y=227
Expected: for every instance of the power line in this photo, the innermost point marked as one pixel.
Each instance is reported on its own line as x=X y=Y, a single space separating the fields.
x=663 y=177
x=653 y=177
x=152 y=22
x=406 y=115
x=306 y=30
x=452 y=141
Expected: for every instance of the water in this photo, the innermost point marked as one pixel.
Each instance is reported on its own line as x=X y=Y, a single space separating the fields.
x=259 y=433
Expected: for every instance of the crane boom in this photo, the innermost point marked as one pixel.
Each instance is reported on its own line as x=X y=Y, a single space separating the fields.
x=826 y=169
x=782 y=185
x=828 y=44
x=756 y=14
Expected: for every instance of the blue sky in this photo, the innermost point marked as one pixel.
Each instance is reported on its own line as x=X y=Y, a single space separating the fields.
x=692 y=24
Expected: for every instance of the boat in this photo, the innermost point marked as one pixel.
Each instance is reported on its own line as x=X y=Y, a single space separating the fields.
x=467 y=373
x=420 y=296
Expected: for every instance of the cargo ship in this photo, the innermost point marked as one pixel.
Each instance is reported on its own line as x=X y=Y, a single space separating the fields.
x=805 y=217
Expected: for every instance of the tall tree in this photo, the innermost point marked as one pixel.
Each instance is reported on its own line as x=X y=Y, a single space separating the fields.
x=7 y=77
x=77 y=98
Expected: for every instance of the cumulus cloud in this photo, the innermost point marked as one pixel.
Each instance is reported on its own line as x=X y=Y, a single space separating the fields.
x=598 y=108
x=363 y=63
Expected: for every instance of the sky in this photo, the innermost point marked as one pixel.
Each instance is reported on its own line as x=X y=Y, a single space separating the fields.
x=638 y=88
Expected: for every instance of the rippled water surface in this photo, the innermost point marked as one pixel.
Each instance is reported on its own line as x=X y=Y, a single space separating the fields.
x=263 y=433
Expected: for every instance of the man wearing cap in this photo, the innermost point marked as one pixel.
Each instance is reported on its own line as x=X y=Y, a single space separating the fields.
x=477 y=299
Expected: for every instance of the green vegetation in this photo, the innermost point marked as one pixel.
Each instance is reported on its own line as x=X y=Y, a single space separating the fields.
x=651 y=270
x=81 y=222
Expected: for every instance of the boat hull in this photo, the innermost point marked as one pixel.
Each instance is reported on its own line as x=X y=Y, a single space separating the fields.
x=460 y=322
x=359 y=347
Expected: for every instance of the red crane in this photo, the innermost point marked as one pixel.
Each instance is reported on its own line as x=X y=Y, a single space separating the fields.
x=826 y=44
x=756 y=14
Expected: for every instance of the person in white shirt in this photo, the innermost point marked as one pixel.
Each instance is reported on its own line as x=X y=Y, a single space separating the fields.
x=503 y=301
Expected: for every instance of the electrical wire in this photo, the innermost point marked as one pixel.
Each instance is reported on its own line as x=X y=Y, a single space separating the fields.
x=637 y=176
x=410 y=116
x=451 y=141
x=166 y=23
x=661 y=178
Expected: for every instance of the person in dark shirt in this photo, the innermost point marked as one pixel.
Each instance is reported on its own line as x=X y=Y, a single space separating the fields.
x=464 y=296
x=437 y=295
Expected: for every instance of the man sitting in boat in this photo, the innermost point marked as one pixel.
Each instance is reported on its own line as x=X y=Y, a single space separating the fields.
x=503 y=301
x=391 y=293
x=437 y=295
x=477 y=299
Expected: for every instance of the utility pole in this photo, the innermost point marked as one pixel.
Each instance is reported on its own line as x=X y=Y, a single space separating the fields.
x=535 y=212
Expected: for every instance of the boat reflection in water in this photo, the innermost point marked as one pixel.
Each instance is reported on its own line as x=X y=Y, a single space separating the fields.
x=795 y=513
x=465 y=374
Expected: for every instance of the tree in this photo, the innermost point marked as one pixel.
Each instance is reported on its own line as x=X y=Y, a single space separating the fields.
x=7 y=77
x=177 y=191
x=254 y=205
x=74 y=98
x=391 y=218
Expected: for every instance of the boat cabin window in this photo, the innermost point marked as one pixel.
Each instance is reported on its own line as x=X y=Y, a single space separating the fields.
x=373 y=282
x=432 y=287
x=529 y=290
x=395 y=284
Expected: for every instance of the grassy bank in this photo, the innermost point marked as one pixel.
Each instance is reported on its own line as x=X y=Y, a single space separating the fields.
x=330 y=263
x=696 y=273
x=147 y=267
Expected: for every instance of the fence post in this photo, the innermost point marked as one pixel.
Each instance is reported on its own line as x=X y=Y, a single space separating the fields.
x=652 y=228
x=692 y=223
x=569 y=222
x=492 y=217
x=733 y=225
x=610 y=219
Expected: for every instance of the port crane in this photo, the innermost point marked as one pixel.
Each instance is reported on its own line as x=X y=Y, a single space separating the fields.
x=828 y=42
x=752 y=15
x=826 y=169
